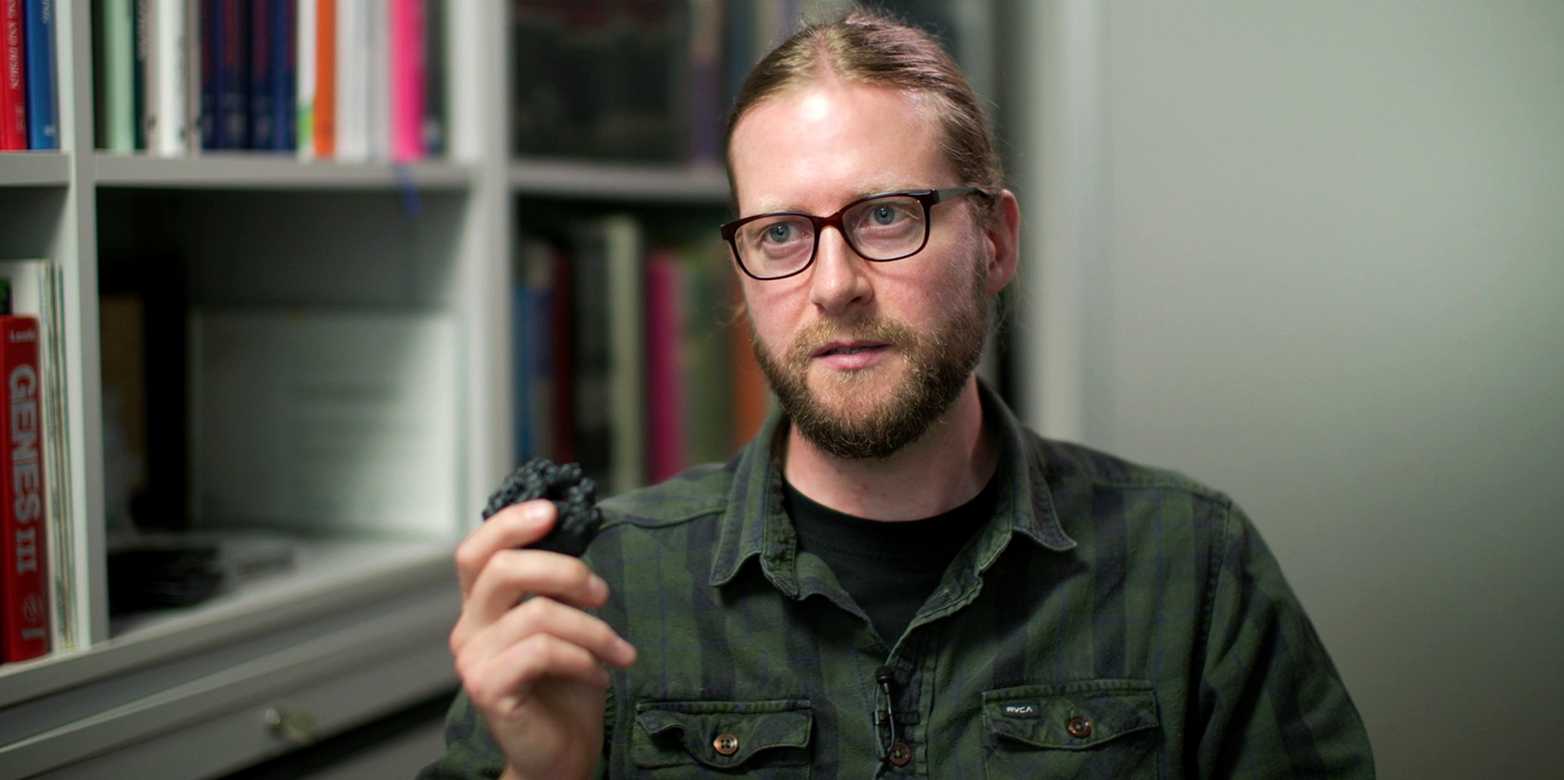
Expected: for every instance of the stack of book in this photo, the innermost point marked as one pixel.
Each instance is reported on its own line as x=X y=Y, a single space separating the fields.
x=328 y=79
x=631 y=361
x=28 y=104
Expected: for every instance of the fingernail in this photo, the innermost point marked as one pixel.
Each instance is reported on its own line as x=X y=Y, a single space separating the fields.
x=599 y=587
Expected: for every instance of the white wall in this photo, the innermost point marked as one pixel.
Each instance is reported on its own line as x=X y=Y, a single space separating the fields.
x=1312 y=253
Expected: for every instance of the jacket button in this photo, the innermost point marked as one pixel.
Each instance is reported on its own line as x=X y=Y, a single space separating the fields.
x=901 y=755
x=726 y=744
x=1079 y=727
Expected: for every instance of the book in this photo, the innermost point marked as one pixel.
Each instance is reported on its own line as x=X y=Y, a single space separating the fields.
x=211 y=44
x=36 y=289
x=284 y=78
x=304 y=95
x=377 y=80
x=408 y=78
x=263 y=71
x=531 y=341
x=626 y=298
x=705 y=316
x=165 y=71
x=666 y=448
x=114 y=74
x=194 y=74
x=13 y=81
x=232 y=73
x=352 y=89
x=750 y=394
x=24 y=622
x=436 y=121
x=43 y=131
x=324 y=137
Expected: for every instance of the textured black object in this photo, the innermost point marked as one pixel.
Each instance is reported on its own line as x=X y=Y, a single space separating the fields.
x=574 y=496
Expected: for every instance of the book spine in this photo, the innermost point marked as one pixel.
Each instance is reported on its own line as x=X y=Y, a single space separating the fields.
x=168 y=69
x=285 y=70
x=377 y=80
x=749 y=384
x=325 y=136
x=119 y=76
x=193 y=73
x=232 y=76
x=211 y=54
x=665 y=424
x=43 y=130
x=562 y=314
x=26 y=610
x=352 y=139
x=304 y=102
x=408 y=80
x=263 y=121
x=13 y=85
x=627 y=373
x=435 y=73
x=141 y=107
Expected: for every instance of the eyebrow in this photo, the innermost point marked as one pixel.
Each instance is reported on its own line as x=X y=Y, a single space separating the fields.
x=874 y=188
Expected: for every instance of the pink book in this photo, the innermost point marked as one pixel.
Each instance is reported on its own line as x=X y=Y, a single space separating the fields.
x=664 y=390
x=408 y=80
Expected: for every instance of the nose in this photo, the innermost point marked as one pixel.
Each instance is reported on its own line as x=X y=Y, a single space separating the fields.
x=840 y=278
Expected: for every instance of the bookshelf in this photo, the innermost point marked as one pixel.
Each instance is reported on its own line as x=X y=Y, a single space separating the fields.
x=357 y=627
x=34 y=169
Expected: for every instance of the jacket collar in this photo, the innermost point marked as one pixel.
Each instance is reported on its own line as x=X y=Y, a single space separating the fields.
x=755 y=526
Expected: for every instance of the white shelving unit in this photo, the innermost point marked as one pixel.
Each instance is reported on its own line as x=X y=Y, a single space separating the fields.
x=358 y=627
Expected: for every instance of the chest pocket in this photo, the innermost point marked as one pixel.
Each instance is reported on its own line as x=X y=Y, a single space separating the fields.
x=1090 y=728
x=700 y=738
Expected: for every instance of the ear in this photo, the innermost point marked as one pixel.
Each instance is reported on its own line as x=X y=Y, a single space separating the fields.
x=1002 y=235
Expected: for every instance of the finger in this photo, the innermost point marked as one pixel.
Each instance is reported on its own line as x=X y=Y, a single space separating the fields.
x=514 y=526
x=504 y=682
x=546 y=616
x=511 y=574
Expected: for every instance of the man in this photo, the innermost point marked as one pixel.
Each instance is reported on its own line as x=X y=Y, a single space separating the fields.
x=894 y=577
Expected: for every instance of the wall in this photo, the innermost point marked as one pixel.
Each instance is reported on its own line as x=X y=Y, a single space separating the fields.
x=1313 y=254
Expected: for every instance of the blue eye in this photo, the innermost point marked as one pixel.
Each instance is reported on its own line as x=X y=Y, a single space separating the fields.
x=883 y=215
x=779 y=232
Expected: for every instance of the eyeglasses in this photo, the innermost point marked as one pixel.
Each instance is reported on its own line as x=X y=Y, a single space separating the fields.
x=880 y=228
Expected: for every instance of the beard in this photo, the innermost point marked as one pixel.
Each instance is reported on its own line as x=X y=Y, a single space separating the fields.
x=853 y=417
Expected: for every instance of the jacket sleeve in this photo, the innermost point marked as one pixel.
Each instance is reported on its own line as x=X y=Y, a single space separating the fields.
x=1270 y=702
x=470 y=752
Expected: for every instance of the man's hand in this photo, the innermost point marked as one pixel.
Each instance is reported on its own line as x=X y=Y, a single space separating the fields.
x=530 y=659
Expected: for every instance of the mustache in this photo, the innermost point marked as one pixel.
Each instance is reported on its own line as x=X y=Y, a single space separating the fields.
x=818 y=334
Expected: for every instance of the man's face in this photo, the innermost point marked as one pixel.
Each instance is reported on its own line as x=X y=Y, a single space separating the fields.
x=863 y=356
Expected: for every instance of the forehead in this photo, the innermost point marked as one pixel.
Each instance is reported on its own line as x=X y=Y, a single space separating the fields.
x=815 y=147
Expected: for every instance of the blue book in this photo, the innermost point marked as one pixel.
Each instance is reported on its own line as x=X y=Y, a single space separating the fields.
x=211 y=50
x=43 y=129
x=263 y=123
x=284 y=79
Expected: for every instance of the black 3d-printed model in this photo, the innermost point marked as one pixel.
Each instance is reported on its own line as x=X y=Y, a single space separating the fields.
x=573 y=494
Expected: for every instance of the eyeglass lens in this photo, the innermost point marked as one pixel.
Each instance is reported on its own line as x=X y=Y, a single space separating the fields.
x=885 y=228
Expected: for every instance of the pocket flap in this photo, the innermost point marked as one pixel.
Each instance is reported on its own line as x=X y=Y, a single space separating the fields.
x=722 y=734
x=1070 y=716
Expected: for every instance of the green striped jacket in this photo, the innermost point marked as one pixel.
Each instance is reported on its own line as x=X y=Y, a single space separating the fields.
x=1111 y=621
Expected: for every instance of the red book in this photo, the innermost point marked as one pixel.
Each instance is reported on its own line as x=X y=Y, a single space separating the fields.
x=325 y=79
x=13 y=83
x=664 y=386
x=750 y=394
x=24 y=625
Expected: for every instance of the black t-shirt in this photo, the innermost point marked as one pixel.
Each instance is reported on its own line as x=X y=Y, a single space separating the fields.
x=888 y=568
